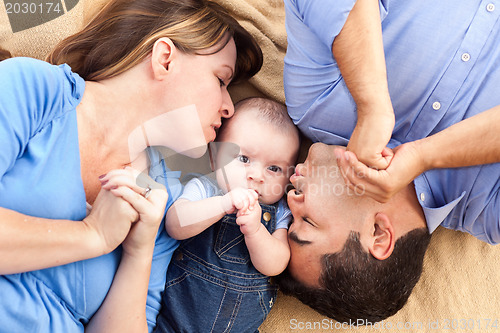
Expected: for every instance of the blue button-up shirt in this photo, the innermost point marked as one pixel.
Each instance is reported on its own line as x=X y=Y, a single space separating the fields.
x=443 y=65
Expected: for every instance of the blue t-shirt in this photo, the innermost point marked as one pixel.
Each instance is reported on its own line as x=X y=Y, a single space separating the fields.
x=40 y=176
x=443 y=66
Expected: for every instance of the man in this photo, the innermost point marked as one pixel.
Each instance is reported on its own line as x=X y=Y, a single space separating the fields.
x=359 y=256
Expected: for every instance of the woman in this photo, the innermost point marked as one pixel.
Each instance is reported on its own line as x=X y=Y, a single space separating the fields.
x=137 y=61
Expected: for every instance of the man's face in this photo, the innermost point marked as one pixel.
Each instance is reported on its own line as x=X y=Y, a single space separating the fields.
x=322 y=207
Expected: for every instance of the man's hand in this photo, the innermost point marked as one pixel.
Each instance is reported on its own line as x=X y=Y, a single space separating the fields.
x=370 y=137
x=407 y=163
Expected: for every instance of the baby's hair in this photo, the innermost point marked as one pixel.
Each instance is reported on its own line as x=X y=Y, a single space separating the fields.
x=266 y=110
x=269 y=111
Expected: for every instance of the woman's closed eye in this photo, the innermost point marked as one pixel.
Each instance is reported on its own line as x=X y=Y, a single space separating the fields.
x=221 y=82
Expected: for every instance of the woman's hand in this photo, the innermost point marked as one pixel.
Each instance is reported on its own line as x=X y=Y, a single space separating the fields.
x=407 y=163
x=149 y=205
x=111 y=217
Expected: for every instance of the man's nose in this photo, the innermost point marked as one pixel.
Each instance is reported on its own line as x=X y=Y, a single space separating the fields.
x=294 y=196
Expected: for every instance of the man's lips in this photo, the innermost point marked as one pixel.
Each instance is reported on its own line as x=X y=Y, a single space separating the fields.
x=297 y=174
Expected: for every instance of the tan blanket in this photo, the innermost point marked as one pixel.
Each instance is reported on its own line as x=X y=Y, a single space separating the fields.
x=460 y=288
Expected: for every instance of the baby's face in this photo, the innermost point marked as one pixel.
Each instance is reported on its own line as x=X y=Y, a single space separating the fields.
x=265 y=162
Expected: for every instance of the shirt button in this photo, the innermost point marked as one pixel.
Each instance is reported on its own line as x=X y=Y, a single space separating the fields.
x=465 y=57
x=422 y=196
x=490 y=7
x=267 y=216
x=436 y=105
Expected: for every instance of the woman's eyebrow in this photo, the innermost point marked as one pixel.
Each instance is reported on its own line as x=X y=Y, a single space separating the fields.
x=293 y=236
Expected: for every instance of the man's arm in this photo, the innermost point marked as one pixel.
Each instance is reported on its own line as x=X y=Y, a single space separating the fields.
x=359 y=52
x=472 y=141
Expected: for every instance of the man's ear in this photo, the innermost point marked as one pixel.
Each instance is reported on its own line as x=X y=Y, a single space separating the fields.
x=382 y=243
x=164 y=51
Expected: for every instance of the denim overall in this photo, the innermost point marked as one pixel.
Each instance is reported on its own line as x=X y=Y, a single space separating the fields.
x=212 y=285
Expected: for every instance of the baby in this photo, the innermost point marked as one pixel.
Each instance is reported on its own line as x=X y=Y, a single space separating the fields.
x=219 y=278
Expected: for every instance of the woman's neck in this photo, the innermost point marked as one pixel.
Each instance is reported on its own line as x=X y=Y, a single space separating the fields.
x=104 y=129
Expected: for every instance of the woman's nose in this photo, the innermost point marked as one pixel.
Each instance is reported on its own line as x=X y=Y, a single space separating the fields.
x=227 y=108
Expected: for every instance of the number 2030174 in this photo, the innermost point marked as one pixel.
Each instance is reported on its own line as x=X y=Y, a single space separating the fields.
x=33 y=8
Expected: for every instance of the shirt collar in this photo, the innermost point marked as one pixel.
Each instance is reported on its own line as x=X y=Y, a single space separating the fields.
x=434 y=214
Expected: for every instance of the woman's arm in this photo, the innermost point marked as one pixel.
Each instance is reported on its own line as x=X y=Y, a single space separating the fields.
x=472 y=141
x=124 y=309
x=29 y=243
x=359 y=52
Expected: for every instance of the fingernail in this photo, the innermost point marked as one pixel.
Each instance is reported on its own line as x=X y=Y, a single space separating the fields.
x=114 y=187
x=104 y=182
x=338 y=154
x=102 y=176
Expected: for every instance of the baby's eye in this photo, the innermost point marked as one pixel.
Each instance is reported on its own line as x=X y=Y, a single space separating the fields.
x=274 y=168
x=243 y=159
x=221 y=82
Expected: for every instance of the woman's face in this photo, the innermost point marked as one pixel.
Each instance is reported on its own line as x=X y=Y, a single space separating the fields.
x=202 y=81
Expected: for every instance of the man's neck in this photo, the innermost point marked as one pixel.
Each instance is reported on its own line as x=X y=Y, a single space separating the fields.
x=407 y=211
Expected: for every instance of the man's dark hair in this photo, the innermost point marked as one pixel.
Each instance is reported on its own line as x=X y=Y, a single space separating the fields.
x=357 y=287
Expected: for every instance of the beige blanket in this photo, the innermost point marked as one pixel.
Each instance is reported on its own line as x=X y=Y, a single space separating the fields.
x=460 y=288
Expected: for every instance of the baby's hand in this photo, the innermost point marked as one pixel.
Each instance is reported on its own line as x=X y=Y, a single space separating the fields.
x=249 y=222
x=239 y=199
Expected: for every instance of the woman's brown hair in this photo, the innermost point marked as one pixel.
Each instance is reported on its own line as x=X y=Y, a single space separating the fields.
x=4 y=54
x=123 y=33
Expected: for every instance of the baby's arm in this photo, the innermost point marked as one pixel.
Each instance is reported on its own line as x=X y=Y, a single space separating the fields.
x=187 y=218
x=269 y=253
